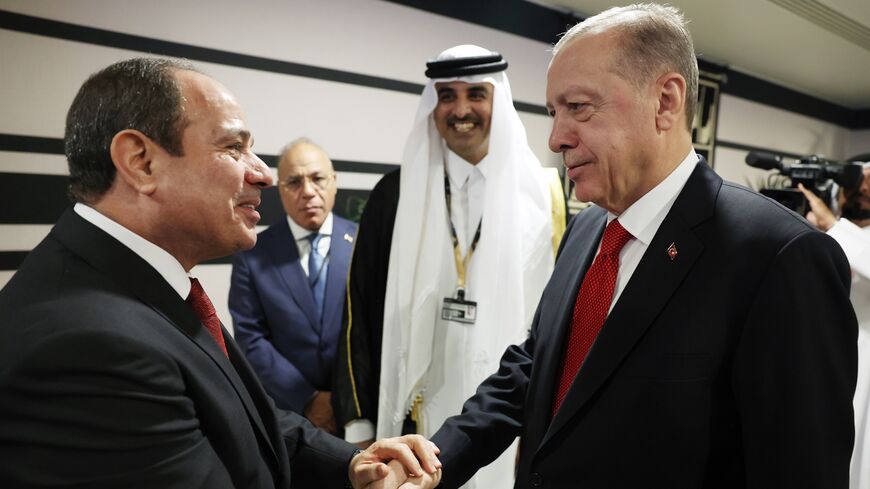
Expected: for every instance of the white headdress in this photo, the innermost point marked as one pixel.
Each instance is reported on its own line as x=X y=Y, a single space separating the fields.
x=511 y=264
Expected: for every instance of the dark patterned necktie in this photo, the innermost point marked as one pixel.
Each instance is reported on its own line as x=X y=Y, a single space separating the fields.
x=591 y=306
x=204 y=309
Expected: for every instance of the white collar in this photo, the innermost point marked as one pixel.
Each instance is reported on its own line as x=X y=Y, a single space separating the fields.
x=459 y=169
x=166 y=265
x=643 y=218
x=300 y=232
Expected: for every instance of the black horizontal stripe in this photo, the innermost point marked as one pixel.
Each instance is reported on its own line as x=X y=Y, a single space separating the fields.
x=11 y=260
x=531 y=108
x=32 y=199
x=746 y=147
x=342 y=165
x=41 y=199
x=102 y=37
x=33 y=144
x=520 y=17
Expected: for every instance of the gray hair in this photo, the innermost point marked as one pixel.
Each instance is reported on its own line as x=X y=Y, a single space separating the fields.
x=298 y=142
x=655 y=41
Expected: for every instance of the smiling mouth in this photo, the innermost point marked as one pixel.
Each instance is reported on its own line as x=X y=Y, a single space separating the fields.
x=463 y=126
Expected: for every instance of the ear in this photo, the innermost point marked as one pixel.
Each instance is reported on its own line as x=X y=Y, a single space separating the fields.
x=671 y=98
x=132 y=153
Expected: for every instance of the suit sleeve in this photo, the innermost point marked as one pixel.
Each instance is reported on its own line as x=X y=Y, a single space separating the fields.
x=795 y=370
x=317 y=459
x=281 y=378
x=93 y=409
x=493 y=417
x=490 y=420
x=358 y=360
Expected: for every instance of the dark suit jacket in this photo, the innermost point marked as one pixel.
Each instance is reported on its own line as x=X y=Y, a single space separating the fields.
x=276 y=325
x=108 y=379
x=732 y=365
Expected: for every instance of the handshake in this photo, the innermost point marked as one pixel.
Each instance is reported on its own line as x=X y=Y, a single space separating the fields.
x=406 y=462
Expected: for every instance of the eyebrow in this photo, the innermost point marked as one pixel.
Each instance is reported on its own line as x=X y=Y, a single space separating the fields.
x=233 y=133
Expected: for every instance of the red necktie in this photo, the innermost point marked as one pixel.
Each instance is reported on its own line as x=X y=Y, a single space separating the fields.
x=204 y=309
x=592 y=305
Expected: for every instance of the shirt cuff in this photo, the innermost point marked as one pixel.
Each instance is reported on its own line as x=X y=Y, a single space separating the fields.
x=359 y=430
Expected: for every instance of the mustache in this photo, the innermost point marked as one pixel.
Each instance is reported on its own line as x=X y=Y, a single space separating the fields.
x=469 y=118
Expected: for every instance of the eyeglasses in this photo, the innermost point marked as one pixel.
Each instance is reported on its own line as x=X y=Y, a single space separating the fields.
x=297 y=182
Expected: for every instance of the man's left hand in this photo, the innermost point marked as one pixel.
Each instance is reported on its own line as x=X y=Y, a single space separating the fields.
x=417 y=455
x=819 y=215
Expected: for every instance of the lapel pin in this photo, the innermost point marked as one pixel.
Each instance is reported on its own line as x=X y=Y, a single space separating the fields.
x=672 y=251
x=348 y=238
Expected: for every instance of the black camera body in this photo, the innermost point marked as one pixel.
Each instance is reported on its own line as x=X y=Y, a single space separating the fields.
x=814 y=172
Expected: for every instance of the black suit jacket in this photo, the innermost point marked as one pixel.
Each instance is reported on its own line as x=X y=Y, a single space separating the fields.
x=108 y=379
x=732 y=365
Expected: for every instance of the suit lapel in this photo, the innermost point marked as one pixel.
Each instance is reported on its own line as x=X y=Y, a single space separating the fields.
x=574 y=260
x=141 y=280
x=649 y=290
x=280 y=248
x=336 y=274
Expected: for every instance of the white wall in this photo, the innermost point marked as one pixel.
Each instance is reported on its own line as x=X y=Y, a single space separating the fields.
x=859 y=143
x=41 y=75
x=753 y=124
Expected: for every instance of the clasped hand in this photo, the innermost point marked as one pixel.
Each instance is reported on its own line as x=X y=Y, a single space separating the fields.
x=406 y=462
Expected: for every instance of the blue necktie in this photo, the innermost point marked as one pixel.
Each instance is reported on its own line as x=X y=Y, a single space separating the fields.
x=316 y=273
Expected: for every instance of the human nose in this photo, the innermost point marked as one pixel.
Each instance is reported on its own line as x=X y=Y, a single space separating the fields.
x=257 y=173
x=561 y=137
x=461 y=109
x=308 y=187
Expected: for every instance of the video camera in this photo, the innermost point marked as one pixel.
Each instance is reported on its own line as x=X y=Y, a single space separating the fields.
x=814 y=172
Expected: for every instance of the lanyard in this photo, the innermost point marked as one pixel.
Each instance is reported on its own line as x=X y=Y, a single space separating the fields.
x=461 y=263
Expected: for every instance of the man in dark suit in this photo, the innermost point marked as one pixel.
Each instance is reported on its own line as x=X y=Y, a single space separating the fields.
x=287 y=293
x=114 y=369
x=704 y=339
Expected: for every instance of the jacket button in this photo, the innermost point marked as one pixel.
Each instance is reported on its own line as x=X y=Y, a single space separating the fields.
x=536 y=480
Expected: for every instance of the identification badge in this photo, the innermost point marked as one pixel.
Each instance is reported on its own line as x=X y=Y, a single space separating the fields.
x=458 y=309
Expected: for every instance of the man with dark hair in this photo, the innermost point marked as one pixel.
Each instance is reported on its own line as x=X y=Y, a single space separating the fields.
x=114 y=369
x=694 y=334
x=141 y=95
x=453 y=253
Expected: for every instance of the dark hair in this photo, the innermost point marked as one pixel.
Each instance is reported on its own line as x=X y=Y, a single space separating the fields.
x=140 y=94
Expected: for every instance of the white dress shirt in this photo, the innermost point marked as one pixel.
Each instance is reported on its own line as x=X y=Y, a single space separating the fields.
x=644 y=217
x=304 y=246
x=166 y=265
x=467 y=192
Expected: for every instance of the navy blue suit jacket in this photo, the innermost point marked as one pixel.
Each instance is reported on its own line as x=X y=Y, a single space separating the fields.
x=274 y=315
x=729 y=365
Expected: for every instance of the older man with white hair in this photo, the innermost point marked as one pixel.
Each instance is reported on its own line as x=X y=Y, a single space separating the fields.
x=694 y=334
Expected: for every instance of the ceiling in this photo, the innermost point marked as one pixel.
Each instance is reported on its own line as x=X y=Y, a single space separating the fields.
x=817 y=47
